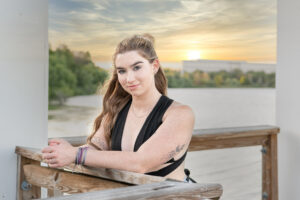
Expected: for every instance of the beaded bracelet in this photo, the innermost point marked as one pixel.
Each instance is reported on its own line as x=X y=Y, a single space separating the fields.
x=81 y=155
x=84 y=155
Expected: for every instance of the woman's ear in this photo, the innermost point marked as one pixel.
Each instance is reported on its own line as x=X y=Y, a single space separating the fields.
x=155 y=65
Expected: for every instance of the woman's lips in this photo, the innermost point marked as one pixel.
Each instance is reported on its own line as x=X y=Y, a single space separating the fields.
x=133 y=86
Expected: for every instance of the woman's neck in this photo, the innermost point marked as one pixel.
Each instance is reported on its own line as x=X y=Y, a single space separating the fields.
x=145 y=102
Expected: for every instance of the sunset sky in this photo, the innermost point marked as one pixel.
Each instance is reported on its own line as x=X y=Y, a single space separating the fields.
x=207 y=29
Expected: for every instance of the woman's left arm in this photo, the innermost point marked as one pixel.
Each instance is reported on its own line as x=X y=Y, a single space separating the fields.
x=172 y=137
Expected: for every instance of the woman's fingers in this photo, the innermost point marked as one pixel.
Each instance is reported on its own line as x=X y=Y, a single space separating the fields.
x=47 y=149
x=57 y=153
x=52 y=162
x=47 y=156
x=55 y=141
x=52 y=143
x=53 y=165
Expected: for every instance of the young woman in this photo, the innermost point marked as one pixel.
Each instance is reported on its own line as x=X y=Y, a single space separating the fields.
x=140 y=129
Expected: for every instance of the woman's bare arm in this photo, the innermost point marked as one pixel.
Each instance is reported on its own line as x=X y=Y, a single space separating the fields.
x=171 y=138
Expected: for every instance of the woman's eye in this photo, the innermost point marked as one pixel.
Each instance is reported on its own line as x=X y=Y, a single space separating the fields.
x=121 y=71
x=136 y=68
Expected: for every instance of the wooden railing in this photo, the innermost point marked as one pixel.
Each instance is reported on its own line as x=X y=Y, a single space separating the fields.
x=264 y=135
x=110 y=183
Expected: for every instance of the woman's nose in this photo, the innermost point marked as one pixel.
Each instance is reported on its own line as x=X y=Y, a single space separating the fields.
x=130 y=77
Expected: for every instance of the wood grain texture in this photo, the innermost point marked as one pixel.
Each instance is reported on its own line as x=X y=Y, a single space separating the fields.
x=28 y=152
x=117 y=175
x=163 y=190
x=54 y=193
x=274 y=168
x=112 y=174
x=34 y=191
x=270 y=169
x=66 y=182
x=232 y=132
x=198 y=143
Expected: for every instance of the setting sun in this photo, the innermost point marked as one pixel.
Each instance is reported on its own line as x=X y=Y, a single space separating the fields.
x=193 y=55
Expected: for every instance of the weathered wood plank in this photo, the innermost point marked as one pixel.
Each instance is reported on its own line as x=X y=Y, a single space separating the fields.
x=117 y=175
x=28 y=152
x=67 y=182
x=269 y=169
x=163 y=190
x=198 y=143
x=232 y=132
x=54 y=193
x=33 y=192
x=274 y=168
x=112 y=174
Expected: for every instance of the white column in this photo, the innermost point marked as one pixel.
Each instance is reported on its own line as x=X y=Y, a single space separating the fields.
x=23 y=83
x=288 y=98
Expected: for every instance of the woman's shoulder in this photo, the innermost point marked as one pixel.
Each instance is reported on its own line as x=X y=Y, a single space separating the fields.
x=177 y=109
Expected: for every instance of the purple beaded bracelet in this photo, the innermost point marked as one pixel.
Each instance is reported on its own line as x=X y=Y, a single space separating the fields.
x=80 y=156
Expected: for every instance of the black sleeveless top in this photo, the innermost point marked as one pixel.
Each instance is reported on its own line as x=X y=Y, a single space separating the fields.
x=152 y=123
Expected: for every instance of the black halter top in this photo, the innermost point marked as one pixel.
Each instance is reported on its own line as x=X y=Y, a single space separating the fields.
x=151 y=124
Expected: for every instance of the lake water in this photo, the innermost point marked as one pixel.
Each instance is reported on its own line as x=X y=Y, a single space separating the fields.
x=237 y=169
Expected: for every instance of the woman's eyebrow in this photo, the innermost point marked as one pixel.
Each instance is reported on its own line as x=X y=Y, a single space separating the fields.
x=137 y=62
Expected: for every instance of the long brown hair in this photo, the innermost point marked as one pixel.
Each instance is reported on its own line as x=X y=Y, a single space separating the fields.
x=115 y=97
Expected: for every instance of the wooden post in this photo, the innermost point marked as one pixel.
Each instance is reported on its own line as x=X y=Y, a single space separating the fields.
x=269 y=169
x=24 y=189
x=54 y=193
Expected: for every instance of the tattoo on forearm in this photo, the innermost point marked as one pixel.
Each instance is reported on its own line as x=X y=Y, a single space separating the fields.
x=176 y=151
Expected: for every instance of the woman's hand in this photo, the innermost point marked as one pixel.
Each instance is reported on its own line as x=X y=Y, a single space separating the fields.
x=59 y=153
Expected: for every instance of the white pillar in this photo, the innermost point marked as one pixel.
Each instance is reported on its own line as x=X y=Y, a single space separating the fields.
x=23 y=83
x=288 y=98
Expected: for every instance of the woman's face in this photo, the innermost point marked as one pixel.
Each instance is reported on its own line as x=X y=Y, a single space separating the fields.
x=135 y=73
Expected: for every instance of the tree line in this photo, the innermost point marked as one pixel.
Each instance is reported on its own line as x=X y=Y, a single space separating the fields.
x=221 y=79
x=74 y=73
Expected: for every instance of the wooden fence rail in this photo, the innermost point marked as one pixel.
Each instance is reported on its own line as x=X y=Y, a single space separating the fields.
x=157 y=191
x=32 y=176
x=85 y=180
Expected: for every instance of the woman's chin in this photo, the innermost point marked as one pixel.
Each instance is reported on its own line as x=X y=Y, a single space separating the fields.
x=134 y=93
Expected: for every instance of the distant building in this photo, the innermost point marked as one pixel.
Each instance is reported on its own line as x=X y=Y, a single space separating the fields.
x=218 y=65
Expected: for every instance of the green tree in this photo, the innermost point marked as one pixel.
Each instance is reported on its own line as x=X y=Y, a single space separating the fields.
x=72 y=73
x=62 y=83
x=218 y=80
